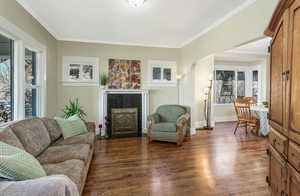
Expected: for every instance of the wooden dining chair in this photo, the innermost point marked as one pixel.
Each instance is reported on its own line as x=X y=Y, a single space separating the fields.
x=244 y=115
x=250 y=100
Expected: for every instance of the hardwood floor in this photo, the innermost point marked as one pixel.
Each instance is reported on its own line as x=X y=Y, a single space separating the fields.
x=213 y=163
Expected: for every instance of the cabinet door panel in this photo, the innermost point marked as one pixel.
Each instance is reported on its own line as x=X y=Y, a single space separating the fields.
x=293 y=182
x=276 y=105
x=294 y=122
x=277 y=173
x=279 y=57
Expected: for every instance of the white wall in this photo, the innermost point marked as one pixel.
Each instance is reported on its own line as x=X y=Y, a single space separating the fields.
x=242 y=28
x=16 y=14
x=89 y=96
x=194 y=82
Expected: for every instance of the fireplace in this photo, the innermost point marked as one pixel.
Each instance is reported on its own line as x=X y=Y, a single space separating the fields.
x=124 y=122
x=126 y=112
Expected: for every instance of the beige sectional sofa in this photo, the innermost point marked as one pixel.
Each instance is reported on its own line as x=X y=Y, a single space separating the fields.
x=42 y=138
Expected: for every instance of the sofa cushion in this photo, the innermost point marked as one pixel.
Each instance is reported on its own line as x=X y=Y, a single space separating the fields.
x=170 y=113
x=52 y=128
x=72 y=126
x=56 y=154
x=87 y=138
x=74 y=169
x=7 y=136
x=164 y=127
x=55 y=185
x=17 y=164
x=33 y=135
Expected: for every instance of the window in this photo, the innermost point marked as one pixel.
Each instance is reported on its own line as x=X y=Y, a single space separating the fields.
x=167 y=74
x=241 y=84
x=162 y=73
x=255 y=84
x=31 y=84
x=6 y=79
x=232 y=81
x=22 y=74
x=225 y=85
x=156 y=73
x=80 y=71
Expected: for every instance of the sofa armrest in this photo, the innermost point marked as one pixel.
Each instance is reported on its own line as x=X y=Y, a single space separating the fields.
x=91 y=126
x=183 y=119
x=58 y=185
x=154 y=118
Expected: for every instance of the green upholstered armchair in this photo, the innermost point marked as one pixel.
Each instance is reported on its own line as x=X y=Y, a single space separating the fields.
x=170 y=123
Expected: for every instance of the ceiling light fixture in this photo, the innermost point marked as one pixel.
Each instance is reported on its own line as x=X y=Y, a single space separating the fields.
x=136 y=3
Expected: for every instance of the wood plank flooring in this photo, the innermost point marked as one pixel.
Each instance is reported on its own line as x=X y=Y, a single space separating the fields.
x=215 y=163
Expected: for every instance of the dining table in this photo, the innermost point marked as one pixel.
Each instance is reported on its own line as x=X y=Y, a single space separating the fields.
x=261 y=112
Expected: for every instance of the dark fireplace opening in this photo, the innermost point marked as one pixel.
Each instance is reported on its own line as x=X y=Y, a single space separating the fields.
x=124 y=112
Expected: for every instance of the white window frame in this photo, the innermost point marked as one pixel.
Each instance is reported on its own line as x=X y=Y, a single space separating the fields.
x=23 y=40
x=162 y=65
x=248 y=79
x=39 y=79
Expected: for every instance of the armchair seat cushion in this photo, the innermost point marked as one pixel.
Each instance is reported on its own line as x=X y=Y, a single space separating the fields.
x=165 y=135
x=164 y=127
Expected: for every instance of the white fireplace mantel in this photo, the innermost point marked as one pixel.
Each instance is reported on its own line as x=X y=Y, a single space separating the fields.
x=145 y=104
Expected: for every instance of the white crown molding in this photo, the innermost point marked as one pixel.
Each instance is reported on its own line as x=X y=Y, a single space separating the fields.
x=249 y=52
x=219 y=22
x=27 y=7
x=54 y=33
x=117 y=43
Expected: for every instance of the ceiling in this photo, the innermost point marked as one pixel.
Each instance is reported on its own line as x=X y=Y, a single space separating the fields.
x=160 y=23
x=248 y=53
x=255 y=47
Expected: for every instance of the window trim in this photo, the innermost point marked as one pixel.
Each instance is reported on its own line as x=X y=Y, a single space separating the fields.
x=23 y=40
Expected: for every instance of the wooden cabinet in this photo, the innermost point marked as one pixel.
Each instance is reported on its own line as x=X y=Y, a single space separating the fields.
x=277 y=173
x=284 y=139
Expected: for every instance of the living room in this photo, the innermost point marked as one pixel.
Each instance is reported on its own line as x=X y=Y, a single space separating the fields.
x=149 y=97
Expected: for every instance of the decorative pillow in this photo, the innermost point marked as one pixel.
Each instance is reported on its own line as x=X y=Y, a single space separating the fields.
x=17 y=164
x=72 y=126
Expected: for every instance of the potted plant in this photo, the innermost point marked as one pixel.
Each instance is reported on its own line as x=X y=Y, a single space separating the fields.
x=103 y=80
x=74 y=108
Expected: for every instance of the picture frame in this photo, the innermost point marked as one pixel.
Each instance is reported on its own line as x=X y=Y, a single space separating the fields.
x=80 y=71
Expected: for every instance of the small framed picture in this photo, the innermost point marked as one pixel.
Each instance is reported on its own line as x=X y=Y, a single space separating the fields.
x=80 y=71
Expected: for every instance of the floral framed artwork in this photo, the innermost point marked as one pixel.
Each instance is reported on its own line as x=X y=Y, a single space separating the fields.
x=80 y=71
x=162 y=73
x=124 y=74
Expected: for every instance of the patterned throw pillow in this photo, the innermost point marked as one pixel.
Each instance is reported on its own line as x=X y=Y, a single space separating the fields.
x=72 y=126
x=17 y=164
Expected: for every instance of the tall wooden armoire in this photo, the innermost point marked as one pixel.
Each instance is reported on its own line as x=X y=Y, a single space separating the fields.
x=284 y=139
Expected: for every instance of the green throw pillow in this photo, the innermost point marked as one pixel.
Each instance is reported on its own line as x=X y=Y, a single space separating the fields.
x=16 y=164
x=72 y=126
